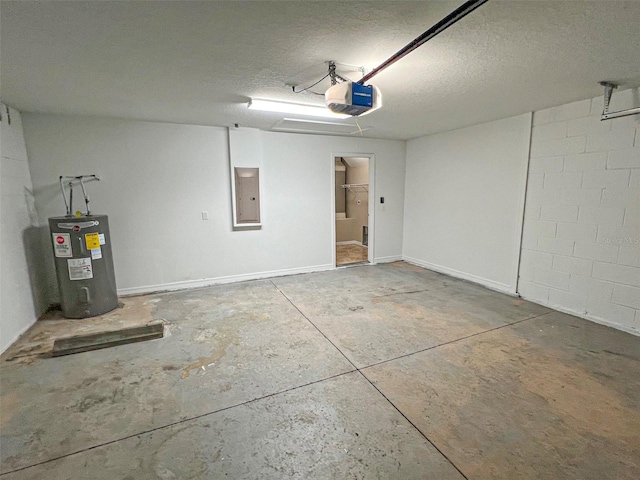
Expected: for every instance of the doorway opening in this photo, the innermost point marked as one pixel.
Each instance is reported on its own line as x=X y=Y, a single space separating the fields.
x=352 y=224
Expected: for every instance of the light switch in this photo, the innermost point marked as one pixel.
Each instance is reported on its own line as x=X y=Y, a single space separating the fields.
x=205 y=215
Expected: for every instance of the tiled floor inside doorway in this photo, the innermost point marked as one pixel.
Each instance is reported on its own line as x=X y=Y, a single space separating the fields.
x=350 y=254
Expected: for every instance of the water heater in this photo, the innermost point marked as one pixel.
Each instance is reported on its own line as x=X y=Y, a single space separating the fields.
x=84 y=265
x=83 y=259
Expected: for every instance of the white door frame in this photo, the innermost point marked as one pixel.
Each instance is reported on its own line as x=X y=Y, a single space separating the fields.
x=372 y=204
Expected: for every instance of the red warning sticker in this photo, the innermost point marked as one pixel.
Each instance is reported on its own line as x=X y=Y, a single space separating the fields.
x=62 y=245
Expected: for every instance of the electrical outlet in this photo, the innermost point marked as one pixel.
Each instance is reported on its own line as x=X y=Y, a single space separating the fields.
x=205 y=215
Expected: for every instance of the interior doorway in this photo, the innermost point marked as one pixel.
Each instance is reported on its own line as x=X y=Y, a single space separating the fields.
x=352 y=223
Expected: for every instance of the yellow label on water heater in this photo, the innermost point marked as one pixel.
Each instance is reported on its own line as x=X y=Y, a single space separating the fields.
x=92 y=240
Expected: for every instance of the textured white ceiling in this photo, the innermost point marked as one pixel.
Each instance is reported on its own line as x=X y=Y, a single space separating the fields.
x=200 y=62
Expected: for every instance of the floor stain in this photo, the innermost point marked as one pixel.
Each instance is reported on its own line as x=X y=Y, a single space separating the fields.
x=10 y=404
x=225 y=336
x=407 y=266
x=306 y=417
x=583 y=402
x=620 y=354
x=39 y=339
x=89 y=402
x=576 y=406
x=203 y=362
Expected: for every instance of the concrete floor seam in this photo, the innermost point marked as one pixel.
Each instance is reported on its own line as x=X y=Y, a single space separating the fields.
x=455 y=340
x=376 y=388
x=360 y=371
x=355 y=369
x=206 y=413
x=179 y=422
x=413 y=425
x=547 y=398
x=314 y=325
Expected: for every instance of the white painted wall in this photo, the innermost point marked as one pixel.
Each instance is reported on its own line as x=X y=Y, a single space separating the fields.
x=464 y=199
x=157 y=178
x=245 y=151
x=581 y=242
x=19 y=304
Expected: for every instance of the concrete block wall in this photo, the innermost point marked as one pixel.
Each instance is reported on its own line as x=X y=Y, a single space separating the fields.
x=581 y=237
x=19 y=304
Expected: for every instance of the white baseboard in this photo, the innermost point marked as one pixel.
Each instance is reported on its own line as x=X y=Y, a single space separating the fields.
x=205 y=282
x=503 y=288
x=586 y=316
x=350 y=242
x=498 y=287
x=6 y=345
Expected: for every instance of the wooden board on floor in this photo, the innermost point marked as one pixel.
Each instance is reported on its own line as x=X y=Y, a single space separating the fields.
x=95 y=341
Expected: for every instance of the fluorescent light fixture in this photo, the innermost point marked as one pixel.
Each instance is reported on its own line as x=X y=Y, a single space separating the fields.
x=293 y=108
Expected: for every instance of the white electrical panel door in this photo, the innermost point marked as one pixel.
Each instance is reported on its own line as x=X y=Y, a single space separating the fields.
x=247 y=195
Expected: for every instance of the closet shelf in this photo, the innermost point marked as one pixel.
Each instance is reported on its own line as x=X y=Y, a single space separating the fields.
x=356 y=187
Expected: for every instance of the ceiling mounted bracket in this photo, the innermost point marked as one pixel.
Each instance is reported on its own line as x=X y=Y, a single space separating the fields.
x=606 y=114
x=333 y=75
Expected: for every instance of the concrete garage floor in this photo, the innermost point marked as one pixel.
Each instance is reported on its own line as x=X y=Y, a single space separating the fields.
x=386 y=371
